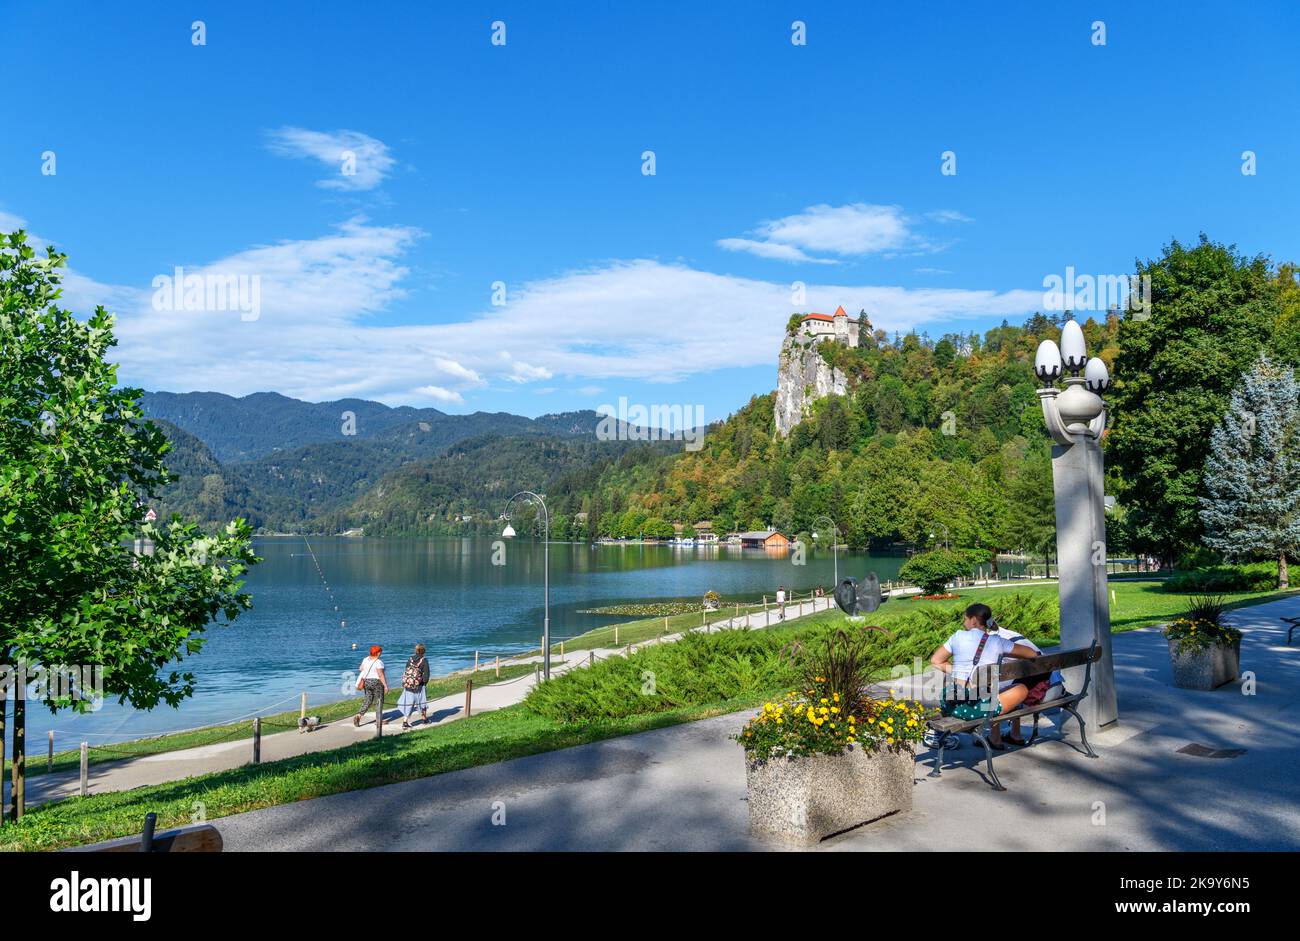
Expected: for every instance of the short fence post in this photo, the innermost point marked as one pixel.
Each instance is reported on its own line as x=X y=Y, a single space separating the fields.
x=476 y=661
x=379 y=718
x=49 y=766
x=85 y=768
x=257 y=741
x=561 y=649
x=469 y=691
x=498 y=667
x=146 y=835
x=591 y=658
x=616 y=632
x=665 y=627
x=302 y=709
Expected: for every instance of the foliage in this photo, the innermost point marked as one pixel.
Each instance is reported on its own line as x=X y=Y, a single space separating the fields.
x=1258 y=576
x=1212 y=311
x=1200 y=634
x=1207 y=608
x=77 y=465
x=832 y=710
x=1252 y=476
x=933 y=570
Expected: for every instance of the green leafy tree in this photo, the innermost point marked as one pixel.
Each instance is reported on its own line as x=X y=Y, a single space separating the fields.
x=77 y=463
x=1212 y=311
x=932 y=571
x=1252 y=476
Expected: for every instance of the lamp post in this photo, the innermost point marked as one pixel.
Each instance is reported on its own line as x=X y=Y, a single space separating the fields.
x=945 y=535
x=508 y=533
x=835 y=543
x=1076 y=418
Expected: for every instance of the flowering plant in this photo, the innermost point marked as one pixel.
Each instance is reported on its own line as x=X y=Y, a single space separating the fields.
x=831 y=712
x=1200 y=633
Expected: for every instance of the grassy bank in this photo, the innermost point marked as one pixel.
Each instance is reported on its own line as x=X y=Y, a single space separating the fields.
x=508 y=733
x=438 y=687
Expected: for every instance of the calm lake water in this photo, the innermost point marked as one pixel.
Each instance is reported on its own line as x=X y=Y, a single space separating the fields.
x=445 y=593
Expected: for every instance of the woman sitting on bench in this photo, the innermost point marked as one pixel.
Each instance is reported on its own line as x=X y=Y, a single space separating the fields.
x=977 y=645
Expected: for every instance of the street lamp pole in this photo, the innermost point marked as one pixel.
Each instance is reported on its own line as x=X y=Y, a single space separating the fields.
x=835 y=543
x=546 y=572
x=946 y=538
x=1076 y=418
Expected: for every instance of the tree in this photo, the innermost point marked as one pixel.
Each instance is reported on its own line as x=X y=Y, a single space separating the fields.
x=1212 y=311
x=77 y=462
x=1252 y=475
x=932 y=571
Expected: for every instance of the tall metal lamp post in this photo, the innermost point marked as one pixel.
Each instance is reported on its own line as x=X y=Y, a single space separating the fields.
x=835 y=543
x=1076 y=418
x=945 y=535
x=509 y=533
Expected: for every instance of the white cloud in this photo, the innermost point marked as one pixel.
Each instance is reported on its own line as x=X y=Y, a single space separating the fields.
x=369 y=164
x=848 y=231
x=620 y=320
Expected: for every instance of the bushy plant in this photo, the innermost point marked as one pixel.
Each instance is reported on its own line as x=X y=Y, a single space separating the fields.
x=832 y=712
x=932 y=571
x=1200 y=634
x=1256 y=576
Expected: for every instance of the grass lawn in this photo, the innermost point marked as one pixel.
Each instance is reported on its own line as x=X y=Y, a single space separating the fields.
x=438 y=687
x=508 y=733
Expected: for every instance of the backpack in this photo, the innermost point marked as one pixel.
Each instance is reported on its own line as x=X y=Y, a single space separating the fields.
x=411 y=675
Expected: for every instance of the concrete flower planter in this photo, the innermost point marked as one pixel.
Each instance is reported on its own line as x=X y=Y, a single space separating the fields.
x=804 y=800
x=1205 y=669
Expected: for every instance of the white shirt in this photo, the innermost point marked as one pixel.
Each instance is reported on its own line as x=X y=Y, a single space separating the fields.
x=370 y=668
x=963 y=644
x=780 y=597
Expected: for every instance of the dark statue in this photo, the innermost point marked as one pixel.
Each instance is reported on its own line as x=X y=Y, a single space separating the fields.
x=859 y=597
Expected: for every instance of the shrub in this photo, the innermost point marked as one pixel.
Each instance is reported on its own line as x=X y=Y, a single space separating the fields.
x=1256 y=576
x=831 y=712
x=933 y=570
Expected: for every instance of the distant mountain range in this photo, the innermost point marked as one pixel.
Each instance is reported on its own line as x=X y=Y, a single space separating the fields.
x=291 y=466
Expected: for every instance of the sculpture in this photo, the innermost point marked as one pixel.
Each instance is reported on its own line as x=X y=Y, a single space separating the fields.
x=859 y=597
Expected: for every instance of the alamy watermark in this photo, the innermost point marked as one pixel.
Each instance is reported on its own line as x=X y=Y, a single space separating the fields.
x=209 y=292
x=651 y=423
x=38 y=683
x=1099 y=292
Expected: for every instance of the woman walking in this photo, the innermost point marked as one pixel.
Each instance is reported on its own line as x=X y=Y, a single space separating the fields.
x=414 y=679
x=371 y=680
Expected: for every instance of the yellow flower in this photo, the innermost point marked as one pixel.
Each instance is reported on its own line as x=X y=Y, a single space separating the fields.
x=837 y=697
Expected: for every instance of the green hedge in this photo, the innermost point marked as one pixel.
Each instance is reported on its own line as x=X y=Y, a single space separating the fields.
x=1257 y=576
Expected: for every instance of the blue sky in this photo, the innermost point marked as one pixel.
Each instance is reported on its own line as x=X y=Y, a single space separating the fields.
x=522 y=163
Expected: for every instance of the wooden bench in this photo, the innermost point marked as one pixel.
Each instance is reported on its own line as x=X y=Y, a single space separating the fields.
x=989 y=677
x=198 y=838
x=1295 y=625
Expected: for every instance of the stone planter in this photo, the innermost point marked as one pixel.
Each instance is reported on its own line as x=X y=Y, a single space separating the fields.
x=1205 y=669
x=804 y=800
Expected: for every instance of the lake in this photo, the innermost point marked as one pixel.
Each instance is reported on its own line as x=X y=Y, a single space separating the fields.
x=444 y=593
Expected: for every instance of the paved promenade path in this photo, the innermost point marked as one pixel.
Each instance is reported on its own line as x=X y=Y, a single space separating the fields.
x=176 y=765
x=683 y=788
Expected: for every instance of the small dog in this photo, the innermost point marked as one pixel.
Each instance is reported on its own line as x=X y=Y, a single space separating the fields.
x=308 y=723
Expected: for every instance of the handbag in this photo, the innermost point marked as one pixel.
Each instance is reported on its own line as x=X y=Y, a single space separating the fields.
x=361 y=678
x=963 y=708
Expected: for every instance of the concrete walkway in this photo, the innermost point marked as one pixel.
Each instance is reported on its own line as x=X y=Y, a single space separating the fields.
x=683 y=788
x=222 y=756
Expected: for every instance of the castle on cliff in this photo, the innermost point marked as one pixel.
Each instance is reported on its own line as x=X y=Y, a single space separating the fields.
x=803 y=375
x=838 y=326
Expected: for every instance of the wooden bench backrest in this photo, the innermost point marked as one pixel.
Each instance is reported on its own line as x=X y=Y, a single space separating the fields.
x=199 y=838
x=1014 y=668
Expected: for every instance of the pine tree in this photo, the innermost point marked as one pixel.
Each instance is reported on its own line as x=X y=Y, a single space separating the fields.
x=1252 y=475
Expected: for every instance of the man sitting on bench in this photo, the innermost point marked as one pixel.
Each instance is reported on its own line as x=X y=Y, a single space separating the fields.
x=977 y=645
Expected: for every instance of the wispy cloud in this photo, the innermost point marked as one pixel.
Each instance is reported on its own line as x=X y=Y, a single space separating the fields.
x=841 y=232
x=315 y=337
x=357 y=161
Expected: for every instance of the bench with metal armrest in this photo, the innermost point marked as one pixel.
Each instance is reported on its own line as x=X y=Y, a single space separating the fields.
x=989 y=678
x=1295 y=625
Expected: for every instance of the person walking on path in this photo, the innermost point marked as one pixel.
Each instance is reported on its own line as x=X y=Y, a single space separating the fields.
x=780 y=603
x=414 y=680
x=372 y=681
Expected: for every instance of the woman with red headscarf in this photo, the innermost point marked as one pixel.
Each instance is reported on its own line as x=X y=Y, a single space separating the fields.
x=372 y=681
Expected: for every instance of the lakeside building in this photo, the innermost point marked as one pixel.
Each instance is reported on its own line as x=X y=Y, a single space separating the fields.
x=764 y=539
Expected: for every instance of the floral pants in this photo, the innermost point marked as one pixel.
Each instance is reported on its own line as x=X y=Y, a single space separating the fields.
x=374 y=691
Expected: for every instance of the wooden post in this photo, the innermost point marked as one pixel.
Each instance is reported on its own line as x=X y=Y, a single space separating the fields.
x=257 y=741
x=85 y=768
x=469 y=692
x=476 y=661
x=561 y=649
x=498 y=666
x=616 y=632
x=665 y=629
x=302 y=707
x=18 y=770
x=49 y=764
x=379 y=718
x=591 y=659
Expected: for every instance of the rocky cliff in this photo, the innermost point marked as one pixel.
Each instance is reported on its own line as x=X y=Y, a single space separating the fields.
x=803 y=376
